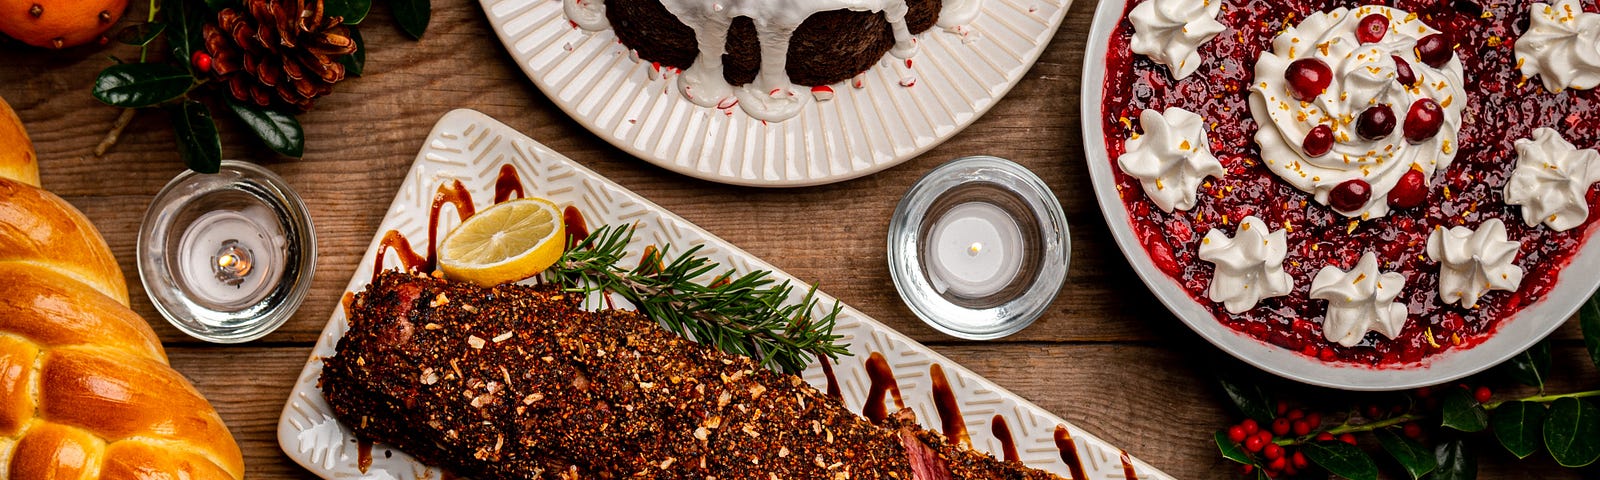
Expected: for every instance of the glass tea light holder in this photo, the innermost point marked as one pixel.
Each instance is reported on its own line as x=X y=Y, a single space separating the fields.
x=978 y=248
x=227 y=257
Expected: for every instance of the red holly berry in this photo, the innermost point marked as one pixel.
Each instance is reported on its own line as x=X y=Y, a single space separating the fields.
x=1250 y=426
x=1302 y=428
x=1482 y=394
x=1408 y=193
x=1435 y=50
x=1372 y=28
x=1425 y=392
x=1424 y=120
x=1349 y=197
x=1283 y=407
x=1403 y=73
x=1412 y=430
x=1271 y=451
x=1319 y=141
x=1277 y=464
x=1348 y=438
x=1236 y=434
x=1297 y=414
x=1247 y=469
x=201 y=61
x=1314 y=419
x=1373 y=412
x=1253 y=444
x=1324 y=436
x=1308 y=77
x=1376 y=122
x=1298 y=460
x=1281 y=426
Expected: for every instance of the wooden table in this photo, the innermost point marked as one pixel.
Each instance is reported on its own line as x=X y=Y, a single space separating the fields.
x=1106 y=357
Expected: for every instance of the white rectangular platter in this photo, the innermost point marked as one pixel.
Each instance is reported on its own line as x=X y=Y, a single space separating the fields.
x=471 y=147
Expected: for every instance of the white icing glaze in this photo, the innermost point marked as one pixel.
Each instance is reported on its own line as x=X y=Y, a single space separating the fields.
x=1359 y=301
x=1171 y=158
x=1552 y=180
x=1171 y=31
x=1561 y=46
x=1249 y=265
x=955 y=13
x=1363 y=76
x=1472 y=262
x=586 y=14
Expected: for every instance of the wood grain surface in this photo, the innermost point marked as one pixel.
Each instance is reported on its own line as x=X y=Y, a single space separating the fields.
x=1106 y=357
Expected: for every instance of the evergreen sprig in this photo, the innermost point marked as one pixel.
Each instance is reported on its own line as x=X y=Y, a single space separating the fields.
x=746 y=314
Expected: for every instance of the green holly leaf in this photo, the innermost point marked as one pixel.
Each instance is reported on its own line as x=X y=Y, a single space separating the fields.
x=1252 y=400
x=1230 y=450
x=412 y=15
x=133 y=85
x=1517 y=425
x=1589 y=318
x=1462 y=412
x=140 y=34
x=354 y=63
x=1341 y=459
x=1456 y=462
x=1415 y=458
x=280 y=131
x=352 y=11
x=1530 y=367
x=198 y=140
x=1572 y=432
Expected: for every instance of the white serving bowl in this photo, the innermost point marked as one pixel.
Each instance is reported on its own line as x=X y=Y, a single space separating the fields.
x=1511 y=337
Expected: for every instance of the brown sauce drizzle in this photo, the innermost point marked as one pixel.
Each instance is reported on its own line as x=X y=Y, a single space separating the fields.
x=882 y=382
x=1069 y=452
x=577 y=229
x=507 y=182
x=345 y=301
x=944 y=400
x=453 y=193
x=409 y=258
x=833 y=381
x=1008 y=444
x=1127 y=467
x=364 y=455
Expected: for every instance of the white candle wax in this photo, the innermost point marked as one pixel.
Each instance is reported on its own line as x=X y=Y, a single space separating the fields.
x=976 y=250
x=255 y=230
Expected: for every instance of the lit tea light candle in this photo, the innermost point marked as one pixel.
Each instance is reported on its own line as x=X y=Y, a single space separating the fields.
x=976 y=250
x=231 y=259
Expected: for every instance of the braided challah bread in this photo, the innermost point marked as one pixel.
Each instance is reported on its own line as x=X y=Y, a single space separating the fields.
x=85 y=389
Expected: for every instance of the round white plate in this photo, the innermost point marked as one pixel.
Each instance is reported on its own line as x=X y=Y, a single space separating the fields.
x=1513 y=336
x=598 y=82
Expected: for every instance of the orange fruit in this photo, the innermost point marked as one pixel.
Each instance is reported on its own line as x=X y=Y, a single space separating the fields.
x=17 y=159
x=59 y=23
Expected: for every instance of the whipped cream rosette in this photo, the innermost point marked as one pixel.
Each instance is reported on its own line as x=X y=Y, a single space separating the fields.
x=1561 y=46
x=1360 y=300
x=1171 y=158
x=1249 y=265
x=1351 y=100
x=1472 y=262
x=1552 y=179
x=1170 y=32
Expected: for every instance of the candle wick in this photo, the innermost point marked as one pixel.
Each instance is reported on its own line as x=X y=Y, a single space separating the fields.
x=972 y=251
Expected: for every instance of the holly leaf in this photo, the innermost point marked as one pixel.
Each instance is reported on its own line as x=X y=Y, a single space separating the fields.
x=1456 y=462
x=1462 y=412
x=140 y=34
x=184 y=28
x=1251 y=399
x=1230 y=450
x=1413 y=457
x=352 y=11
x=355 y=62
x=134 y=85
x=280 y=131
x=1572 y=432
x=198 y=140
x=1589 y=318
x=412 y=15
x=1530 y=367
x=1341 y=459
x=1517 y=425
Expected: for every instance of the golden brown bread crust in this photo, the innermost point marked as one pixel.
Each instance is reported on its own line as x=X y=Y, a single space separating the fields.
x=17 y=159
x=40 y=228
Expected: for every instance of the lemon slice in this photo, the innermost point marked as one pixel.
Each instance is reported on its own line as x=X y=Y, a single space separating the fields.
x=507 y=242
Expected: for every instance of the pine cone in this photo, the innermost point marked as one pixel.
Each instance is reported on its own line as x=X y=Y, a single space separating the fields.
x=278 y=51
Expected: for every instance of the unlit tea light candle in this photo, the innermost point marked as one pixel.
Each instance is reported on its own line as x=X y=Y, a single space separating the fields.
x=977 y=250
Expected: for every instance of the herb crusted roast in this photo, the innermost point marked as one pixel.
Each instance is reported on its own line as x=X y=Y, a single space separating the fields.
x=521 y=382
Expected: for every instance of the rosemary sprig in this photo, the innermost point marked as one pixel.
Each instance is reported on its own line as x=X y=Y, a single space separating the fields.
x=744 y=315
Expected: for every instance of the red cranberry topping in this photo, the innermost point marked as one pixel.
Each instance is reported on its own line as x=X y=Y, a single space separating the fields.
x=1376 y=122
x=1403 y=73
x=1318 y=141
x=1424 y=120
x=1308 y=77
x=1372 y=28
x=1350 y=195
x=1410 y=192
x=1435 y=50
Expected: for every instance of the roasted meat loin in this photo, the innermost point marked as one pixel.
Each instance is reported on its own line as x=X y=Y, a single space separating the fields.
x=521 y=382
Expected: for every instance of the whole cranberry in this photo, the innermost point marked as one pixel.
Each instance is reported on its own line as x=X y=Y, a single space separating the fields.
x=1403 y=73
x=1236 y=434
x=1271 y=451
x=1308 y=77
x=1424 y=120
x=1411 y=190
x=1250 y=426
x=1281 y=426
x=1253 y=444
x=1350 y=195
x=1435 y=50
x=1376 y=122
x=1372 y=28
x=1482 y=394
x=1319 y=141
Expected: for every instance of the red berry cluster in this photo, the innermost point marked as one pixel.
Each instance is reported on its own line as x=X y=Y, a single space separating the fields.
x=1260 y=441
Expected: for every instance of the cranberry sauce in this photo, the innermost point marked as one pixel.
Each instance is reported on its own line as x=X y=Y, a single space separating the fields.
x=1502 y=107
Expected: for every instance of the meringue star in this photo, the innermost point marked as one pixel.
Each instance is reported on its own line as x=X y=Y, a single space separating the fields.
x=1561 y=46
x=1249 y=265
x=1171 y=31
x=1359 y=301
x=1472 y=262
x=1171 y=158
x=1552 y=179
